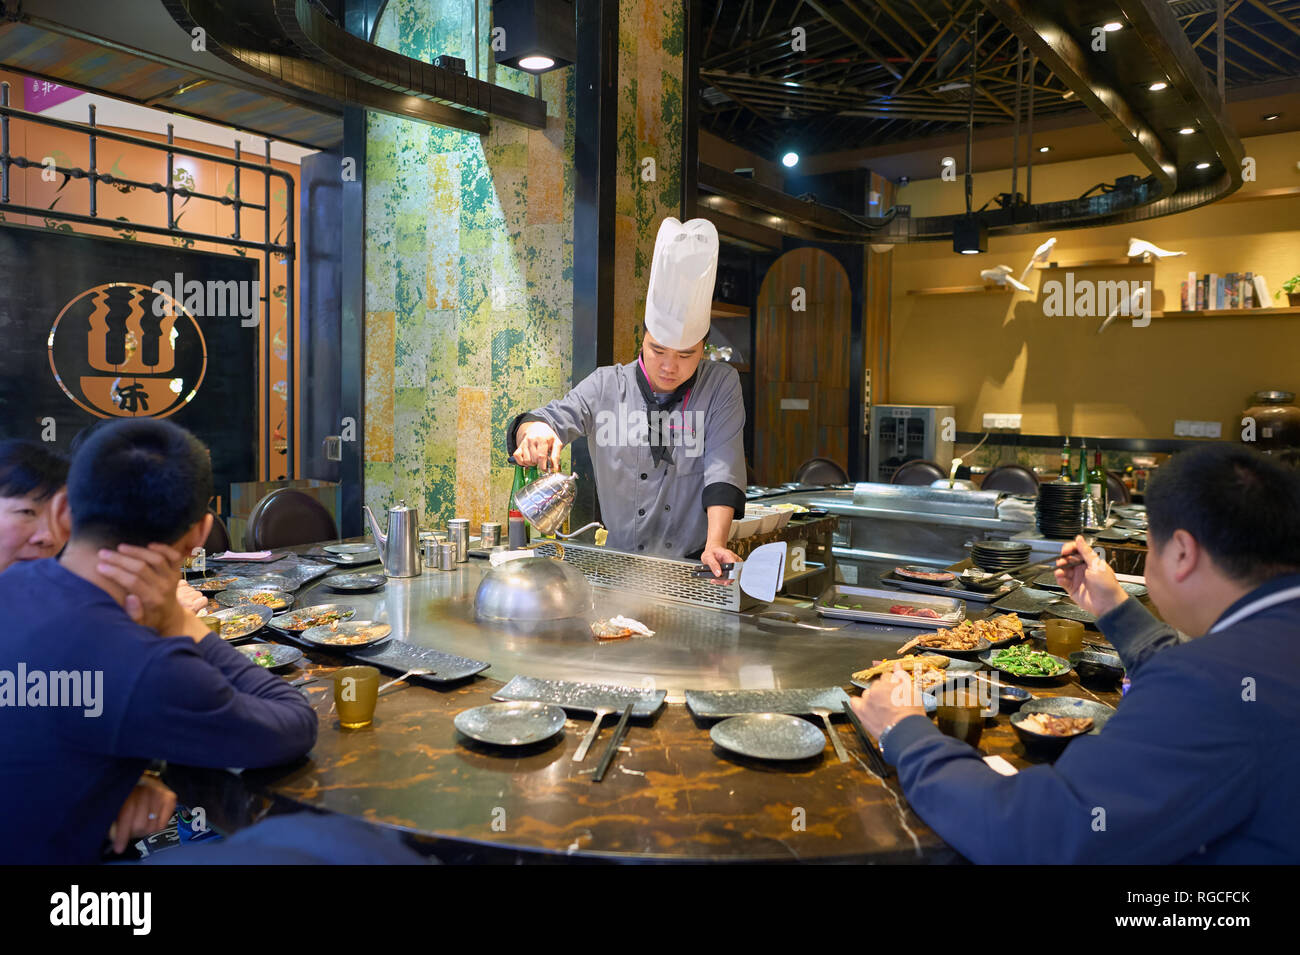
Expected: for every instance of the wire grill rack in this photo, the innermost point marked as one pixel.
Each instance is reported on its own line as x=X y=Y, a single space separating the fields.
x=655 y=576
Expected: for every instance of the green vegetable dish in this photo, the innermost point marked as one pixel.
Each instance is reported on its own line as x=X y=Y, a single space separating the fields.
x=1023 y=661
x=263 y=658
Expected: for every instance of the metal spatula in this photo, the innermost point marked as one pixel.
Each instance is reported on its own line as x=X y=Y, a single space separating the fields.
x=761 y=575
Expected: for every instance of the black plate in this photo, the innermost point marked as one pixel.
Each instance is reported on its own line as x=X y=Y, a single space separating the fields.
x=355 y=583
x=284 y=655
x=987 y=659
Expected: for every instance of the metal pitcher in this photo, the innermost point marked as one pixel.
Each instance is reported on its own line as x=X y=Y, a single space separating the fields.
x=399 y=549
x=547 y=501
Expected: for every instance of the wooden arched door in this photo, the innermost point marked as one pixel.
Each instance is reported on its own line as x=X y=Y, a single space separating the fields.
x=801 y=364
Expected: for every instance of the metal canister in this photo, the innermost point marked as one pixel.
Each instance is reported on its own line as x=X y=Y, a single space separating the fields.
x=490 y=534
x=518 y=533
x=458 y=535
x=429 y=543
x=446 y=555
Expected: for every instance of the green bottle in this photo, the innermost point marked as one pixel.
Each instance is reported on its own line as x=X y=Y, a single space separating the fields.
x=529 y=478
x=511 y=509
x=1082 y=476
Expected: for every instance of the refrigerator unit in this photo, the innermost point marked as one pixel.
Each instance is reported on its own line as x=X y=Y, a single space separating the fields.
x=902 y=433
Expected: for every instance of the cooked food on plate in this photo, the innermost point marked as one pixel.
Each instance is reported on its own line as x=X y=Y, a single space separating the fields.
x=1050 y=725
x=267 y=598
x=928 y=670
x=305 y=621
x=967 y=634
x=209 y=585
x=263 y=658
x=355 y=637
x=240 y=624
x=1023 y=661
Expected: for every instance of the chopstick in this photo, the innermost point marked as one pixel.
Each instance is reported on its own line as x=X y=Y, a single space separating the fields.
x=878 y=765
x=612 y=748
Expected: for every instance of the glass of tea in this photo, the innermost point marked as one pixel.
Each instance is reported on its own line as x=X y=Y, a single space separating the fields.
x=1064 y=637
x=355 y=691
x=960 y=714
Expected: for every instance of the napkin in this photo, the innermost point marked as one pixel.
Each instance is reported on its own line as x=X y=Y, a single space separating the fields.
x=243 y=555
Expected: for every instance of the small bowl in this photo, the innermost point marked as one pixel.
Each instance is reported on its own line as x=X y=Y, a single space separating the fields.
x=815 y=514
x=1105 y=669
x=745 y=527
x=782 y=517
x=768 y=518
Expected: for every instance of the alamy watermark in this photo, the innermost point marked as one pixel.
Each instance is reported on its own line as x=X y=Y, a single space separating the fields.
x=210 y=299
x=75 y=688
x=1092 y=299
x=636 y=428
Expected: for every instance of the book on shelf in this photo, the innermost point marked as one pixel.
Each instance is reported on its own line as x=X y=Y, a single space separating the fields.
x=1183 y=297
x=1200 y=294
x=1261 y=292
x=1248 y=291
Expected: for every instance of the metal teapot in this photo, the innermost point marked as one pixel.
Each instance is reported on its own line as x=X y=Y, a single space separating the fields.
x=399 y=549
x=547 y=501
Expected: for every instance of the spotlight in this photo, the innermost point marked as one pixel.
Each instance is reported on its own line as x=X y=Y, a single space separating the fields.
x=1269 y=117
x=1112 y=26
x=790 y=160
x=970 y=235
x=1187 y=131
x=1044 y=149
x=1157 y=86
x=1202 y=165
x=539 y=35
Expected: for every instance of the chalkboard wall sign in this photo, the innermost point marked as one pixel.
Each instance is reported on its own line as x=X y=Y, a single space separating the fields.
x=94 y=328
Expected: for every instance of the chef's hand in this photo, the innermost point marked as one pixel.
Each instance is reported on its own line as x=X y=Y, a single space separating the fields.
x=715 y=555
x=537 y=445
x=1091 y=584
x=145 y=811
x=891 y=698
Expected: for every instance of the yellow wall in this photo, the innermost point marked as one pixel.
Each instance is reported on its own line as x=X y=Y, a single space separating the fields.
x=999 y=353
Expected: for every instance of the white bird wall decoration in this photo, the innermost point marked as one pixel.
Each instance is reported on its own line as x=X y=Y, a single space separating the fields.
x=1001 y=275
x=1134 y=304
x=1138 y=247
x=1039 y=257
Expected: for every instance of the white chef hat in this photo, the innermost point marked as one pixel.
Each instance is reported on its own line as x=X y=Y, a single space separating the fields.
x=680 y=298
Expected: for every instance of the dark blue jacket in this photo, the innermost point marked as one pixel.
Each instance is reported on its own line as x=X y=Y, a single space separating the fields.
x=1198 y=764
x=66 y=773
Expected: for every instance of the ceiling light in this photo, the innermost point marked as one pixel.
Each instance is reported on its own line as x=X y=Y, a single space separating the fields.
x=970 y=235
x=539 y=35
x=1269 y=117
x=1187 y=130
x=1202 y=165
x=1112 y=26
x=790 y=160
x=1157 y=86
x=536 y=63
x=1044 y=149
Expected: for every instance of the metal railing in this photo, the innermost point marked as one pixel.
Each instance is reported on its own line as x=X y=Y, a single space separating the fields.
x=171 y=191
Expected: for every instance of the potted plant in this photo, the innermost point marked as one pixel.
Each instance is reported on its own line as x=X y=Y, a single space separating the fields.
x=1292 y=288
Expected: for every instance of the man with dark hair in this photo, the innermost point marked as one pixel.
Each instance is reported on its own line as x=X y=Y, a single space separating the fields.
x=1197 y=763
x=87 y=695
x=31 y=475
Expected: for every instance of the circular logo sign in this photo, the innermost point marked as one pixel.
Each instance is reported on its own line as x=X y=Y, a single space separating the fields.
x=123 y=350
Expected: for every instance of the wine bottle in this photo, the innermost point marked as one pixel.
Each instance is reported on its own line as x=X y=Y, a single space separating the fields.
x=1097 y=486
x=1065 y=460
x=1081 y=476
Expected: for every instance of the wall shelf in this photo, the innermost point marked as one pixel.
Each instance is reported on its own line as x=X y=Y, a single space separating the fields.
x=1137 y=260
x=727 y=310
x=1232 y=313
x=963 y=289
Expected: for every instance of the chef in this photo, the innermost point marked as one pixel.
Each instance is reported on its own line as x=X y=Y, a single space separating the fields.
x=666 y=431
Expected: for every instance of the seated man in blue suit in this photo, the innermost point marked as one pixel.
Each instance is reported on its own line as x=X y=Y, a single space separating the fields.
x=1198 y=763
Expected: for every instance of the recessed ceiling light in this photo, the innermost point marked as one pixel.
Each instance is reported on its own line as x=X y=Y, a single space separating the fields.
x=536 y=62
x=1112 y=26
x=790 y=160
x=1268 y=118
x=1044 y=149
x=1187 y=130
x=1202 y=165
x=1157 y=86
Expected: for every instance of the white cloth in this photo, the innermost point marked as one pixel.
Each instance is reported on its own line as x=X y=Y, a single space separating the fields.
x=679 y=299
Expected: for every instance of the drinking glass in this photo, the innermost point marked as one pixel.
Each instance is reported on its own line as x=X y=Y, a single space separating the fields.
x=960 y=714
x=1064 y=637
x=355 y=691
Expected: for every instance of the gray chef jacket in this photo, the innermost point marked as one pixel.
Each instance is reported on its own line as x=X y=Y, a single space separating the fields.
x=655 y=510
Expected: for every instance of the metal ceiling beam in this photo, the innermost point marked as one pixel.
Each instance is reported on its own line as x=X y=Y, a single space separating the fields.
x=839 y=24
x=1275 y=16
